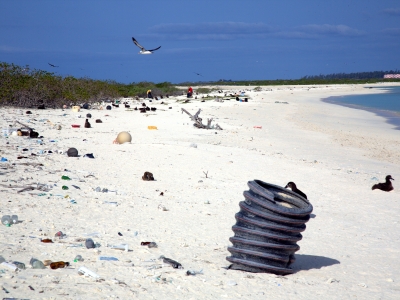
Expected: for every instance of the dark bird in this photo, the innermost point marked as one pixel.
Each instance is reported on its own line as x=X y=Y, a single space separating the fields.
x=294 y=188
x=99 y=121
x=142 y=49
x=153 y=108
x=87 y=124
x=386 y=186
x=51 y=65
x=197 y=74
x=127 y=106
x=33 y=134
x=88 y=116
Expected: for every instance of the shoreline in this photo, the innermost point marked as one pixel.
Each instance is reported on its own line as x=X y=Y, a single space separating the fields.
x=391 y=117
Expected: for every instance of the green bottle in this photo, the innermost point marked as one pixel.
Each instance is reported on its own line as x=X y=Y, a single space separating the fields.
x=65 y=177
x=64 y=187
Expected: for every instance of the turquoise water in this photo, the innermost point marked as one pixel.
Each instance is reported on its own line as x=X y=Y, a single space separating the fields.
x=385 y=104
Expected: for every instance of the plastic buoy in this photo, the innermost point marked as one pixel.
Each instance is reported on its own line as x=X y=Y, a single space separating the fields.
x=124 y=137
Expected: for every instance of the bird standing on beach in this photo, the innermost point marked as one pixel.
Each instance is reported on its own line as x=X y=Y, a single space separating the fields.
x=87 y=124
x=386 y=186
x=142 y=49
x=294 y=188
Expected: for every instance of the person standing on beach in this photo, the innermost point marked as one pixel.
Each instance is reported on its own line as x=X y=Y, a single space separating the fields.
x=190 y=92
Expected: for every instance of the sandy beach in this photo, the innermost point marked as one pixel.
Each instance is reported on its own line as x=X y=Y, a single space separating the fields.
x=350 y=249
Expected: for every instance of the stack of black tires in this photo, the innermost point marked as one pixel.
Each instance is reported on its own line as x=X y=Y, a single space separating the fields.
x=267 y=229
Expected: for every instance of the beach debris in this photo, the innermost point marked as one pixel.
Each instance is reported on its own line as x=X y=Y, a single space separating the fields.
x=206 y=173
x=72 y=152
x=171 y=262
x=149 y=244
x=124 y=247
x=123 y=137
x=58 y=264
x=9 y=265
x=265 y=201
x=78 y=258
x=89 y=244
x=152 y=127
x=36 y=264
x=88 y=155
x=193 y=273
x=108 y=258
x=86 y=272
x=198 y=121
x=193 y=145
x=162 y=207
x=148 y=176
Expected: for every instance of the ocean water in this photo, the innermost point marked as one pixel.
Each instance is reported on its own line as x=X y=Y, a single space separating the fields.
x=386 y=104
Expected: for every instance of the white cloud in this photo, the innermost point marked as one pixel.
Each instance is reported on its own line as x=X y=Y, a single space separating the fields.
x=392 y=11
x=241 y=30
x=326 y=29
x=391 y=31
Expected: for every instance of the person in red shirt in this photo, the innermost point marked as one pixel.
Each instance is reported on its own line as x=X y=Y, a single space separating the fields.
x=190 y=92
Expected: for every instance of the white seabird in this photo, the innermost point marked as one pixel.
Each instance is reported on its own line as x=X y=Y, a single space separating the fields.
x=142 y=49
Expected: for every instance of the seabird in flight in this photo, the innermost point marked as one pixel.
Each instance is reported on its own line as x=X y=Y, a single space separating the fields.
x=142 y=49
x=51 y=65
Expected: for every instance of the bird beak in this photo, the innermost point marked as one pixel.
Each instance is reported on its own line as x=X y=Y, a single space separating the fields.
x=392 y=178
x=286 y=186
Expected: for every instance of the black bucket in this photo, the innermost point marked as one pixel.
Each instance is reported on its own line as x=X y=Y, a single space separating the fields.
x=267 y=229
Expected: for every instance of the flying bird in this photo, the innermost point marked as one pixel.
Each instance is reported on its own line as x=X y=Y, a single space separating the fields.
x=197 y=74
x=142 y=49
x=51 y=65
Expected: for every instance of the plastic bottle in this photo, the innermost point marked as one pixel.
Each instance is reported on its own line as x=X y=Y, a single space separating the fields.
x=6 y=220
x=9 y=265
x=65 y=177
x=64 y=187
x=19 y=265
x=14 y=219
x=36 y=264
x=78 y=258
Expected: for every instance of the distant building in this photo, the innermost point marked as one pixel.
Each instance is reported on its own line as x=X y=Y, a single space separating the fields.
x=391 y=76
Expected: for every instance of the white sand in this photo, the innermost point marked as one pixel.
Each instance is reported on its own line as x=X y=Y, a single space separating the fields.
x=350 y=248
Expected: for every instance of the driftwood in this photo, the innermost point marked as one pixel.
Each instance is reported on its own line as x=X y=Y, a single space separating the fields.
x=198 y=122
x=25 y=126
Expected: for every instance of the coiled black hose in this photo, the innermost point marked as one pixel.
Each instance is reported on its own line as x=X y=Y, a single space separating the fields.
x=267 y=229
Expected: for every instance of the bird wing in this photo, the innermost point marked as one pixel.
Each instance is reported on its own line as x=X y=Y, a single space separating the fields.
x=137 y=44
x=154 y=49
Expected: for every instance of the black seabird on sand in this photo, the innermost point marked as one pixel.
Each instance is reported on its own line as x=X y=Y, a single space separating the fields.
x=87 y=124
x=51 y=65
x=294 y=188
x=142 y=49
x=386 y=186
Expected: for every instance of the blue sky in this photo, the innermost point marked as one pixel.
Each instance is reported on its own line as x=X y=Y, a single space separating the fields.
x=220 y=39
